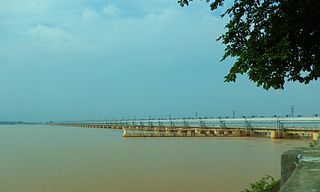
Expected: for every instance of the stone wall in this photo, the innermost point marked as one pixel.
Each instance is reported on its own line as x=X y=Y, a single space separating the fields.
x=300 y=170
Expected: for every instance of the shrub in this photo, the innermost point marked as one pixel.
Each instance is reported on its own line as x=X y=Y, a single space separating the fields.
x=265 y=184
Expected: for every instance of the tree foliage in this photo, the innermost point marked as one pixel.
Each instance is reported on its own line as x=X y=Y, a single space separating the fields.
x=273 y=41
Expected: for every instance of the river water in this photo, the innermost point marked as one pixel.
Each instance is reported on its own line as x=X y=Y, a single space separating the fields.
x=39 y=158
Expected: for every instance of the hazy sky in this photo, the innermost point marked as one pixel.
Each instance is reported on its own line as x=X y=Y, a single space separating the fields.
x=104 y=59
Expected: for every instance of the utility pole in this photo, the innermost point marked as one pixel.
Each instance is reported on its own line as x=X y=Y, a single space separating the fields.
x=292 y=110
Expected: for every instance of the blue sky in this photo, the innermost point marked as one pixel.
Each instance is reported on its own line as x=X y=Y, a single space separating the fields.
x=94 y=59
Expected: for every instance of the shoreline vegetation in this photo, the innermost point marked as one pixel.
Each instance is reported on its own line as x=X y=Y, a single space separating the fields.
x=268 y=183
x=265 y=184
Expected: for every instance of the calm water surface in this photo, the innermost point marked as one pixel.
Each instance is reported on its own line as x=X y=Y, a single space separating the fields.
x=65 y=159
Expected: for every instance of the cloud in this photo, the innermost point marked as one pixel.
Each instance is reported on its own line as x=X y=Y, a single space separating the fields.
x=106 y=12
x=90 y=14
x=111 y=10
x=47 y=33
x=105 y=32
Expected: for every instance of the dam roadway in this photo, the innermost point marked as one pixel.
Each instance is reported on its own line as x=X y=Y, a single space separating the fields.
x=273 y=127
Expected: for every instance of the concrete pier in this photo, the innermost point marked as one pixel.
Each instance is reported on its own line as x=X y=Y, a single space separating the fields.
x=315 y=136
x=276 y=134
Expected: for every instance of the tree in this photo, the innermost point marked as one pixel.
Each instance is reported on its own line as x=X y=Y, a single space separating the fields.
x=273 y=41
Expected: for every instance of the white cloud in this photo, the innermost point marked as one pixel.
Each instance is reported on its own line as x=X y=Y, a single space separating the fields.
x=111 y=10
x=48 y=33
x=90 y=14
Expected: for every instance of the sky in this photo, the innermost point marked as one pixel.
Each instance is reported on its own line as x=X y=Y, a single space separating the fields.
x=107 y=59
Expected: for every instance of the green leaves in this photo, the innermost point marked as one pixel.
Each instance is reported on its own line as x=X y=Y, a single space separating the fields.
x=265 y=184
x=273 y=41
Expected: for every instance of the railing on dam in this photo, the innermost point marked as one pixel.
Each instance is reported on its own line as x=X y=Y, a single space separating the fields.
x=272 y=122
x=306 y=127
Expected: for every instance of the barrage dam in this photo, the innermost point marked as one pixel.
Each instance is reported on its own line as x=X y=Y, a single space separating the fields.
x=273 y=127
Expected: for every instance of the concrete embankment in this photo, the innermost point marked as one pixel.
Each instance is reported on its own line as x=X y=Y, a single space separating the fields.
x=300 y=170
